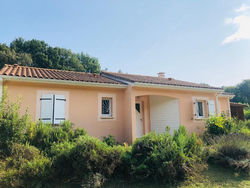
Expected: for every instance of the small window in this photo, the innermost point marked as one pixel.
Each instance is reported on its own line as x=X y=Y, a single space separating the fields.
x=200 y=109
x=106 y=107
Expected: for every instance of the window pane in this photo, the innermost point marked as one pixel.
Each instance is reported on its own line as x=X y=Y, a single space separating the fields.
x=200 y=108
x=137 y=107
x=106 y=106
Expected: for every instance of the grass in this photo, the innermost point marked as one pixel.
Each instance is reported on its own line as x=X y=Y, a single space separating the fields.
x=212 y=177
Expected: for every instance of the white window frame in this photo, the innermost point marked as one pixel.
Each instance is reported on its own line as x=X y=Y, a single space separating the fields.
x=112 y=115
x=197 y=109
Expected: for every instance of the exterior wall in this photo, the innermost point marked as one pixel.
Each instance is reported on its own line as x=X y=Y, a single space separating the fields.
x=185 y=104
x=82 y=106
x=224 y=105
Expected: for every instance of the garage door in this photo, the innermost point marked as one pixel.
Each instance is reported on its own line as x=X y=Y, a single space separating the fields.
x=164 y=111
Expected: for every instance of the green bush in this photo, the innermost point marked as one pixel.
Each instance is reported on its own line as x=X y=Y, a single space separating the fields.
x=110 y=140
x=247 y=113
x=25 y=164
x=164 y=157
x=232 y=150
x=85 y=157
x=219 y=125
x=43 y=136
x=12 y=126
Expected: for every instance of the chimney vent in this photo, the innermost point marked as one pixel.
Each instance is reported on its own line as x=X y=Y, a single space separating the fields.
x=161 y=74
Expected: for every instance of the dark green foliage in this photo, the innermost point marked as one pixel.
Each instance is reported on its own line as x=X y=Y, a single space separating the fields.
x=247 y=113
x=232 y=150
x=44 y=135
x=12 y=125
x=241 y=92
x=110 y=140
x=84 y=158
x=25 y=167
x=164 y=157
x=219 y=125
x=37 y=53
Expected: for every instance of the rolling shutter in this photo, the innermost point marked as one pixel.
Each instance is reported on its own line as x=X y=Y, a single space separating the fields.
x=46 y=108
x=211 y=107
x=59 y=109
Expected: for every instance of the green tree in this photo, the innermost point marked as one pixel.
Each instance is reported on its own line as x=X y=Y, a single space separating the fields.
x=241 y=92
x=37 y=53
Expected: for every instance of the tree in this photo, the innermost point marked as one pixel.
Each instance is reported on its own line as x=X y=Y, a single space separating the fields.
x=37 y=53
x=241 y=92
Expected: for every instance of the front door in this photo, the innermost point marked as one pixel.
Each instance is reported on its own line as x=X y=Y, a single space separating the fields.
x=139 y=120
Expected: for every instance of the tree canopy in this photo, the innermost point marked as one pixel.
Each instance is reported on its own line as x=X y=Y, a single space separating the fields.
x=37 y=53
x=241 y=92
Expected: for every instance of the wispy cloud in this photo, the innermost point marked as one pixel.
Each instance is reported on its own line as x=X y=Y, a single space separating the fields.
x=243 y=8
x=242 y=23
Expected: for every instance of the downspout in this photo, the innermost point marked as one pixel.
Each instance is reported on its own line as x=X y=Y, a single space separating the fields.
x=217 y=105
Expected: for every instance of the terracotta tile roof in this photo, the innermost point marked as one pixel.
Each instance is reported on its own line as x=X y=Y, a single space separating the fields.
x=42 y=73
x=155 y=80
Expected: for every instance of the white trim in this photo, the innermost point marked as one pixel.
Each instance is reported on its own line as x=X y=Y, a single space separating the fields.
x=148 y=85
x=226 y=95
x=63 y=82
x=197 y=109
x=113 y=103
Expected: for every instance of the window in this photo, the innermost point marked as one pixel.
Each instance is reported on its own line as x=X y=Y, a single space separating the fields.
x=106 y=107
x=200 y=109
x=52 y=108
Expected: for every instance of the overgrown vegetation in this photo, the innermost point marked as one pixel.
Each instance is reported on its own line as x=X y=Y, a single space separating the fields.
x=34 y=154
x=228 y=143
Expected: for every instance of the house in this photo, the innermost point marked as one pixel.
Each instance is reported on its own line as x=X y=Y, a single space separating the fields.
x=124 y=105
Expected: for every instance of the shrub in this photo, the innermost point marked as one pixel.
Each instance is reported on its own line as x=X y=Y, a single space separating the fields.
x=247 y=113
x=43 y=136
x=84 y=158
x=219 y=125
x=164 y=157
x=25 y=164
x=110 y=140
x=12 y=125
x=232 y=150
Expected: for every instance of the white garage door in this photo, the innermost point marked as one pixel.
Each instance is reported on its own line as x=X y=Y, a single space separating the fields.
x=164 y=111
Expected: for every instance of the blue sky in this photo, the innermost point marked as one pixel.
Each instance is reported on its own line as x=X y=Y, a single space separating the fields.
x=199 y=41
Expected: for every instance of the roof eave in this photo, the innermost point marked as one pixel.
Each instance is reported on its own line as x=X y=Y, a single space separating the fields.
x=63 y=82
x=175 y=87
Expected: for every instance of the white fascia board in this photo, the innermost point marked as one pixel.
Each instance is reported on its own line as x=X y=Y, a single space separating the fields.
x=161 y=86
x=225 y=95
x=63 y=82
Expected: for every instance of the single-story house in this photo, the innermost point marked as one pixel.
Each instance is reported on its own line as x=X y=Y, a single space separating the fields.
x=126 y=106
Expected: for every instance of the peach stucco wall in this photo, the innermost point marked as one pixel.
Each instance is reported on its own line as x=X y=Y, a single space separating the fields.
x=83 y=106
x=224 y=105
x=185 y=105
